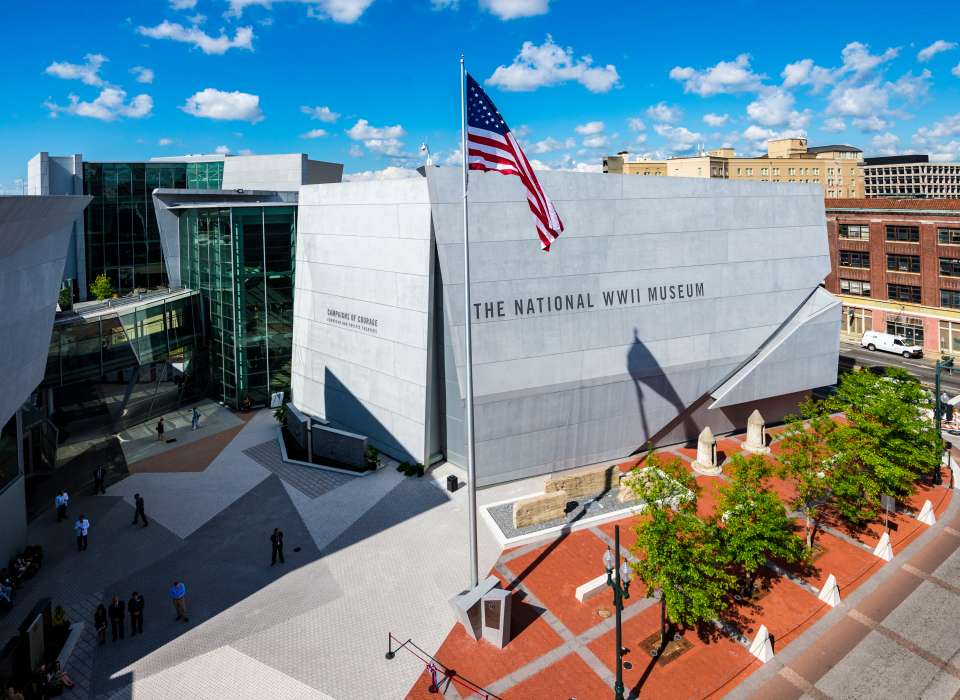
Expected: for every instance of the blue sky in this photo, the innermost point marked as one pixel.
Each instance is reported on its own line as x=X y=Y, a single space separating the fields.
x=364 y=82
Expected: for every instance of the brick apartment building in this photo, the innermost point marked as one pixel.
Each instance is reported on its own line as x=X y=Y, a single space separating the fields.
x=895 y=264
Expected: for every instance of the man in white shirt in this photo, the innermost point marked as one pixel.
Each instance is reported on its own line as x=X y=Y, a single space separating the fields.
x=65 y=497
x=82 y=528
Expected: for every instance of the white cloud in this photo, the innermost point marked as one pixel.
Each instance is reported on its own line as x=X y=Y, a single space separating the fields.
x=912 y=87
x=715 y=120
x=109 y=104
x=806 y=72
x=858 y=101
x=183 y=4
x=956 y=70
x=939 y=46
x=858 y=59
x=314 y=134
x=551 y=144
x=242 y=37
x=144 y=75
x=834 y=125
x=211 y=103
x=946 y=152
x=342 y=11
x=758 y=136
x=323 y=114
x=589 y=128
x=355 y=151
x=389 y=173
x=88 y=73
x=514 y=9
x=549 y=64
x=725 y=77
x=774 y=107
x=444 y=5
x=870 y=124
x=636 y=124
x=385 y=140
x=222 y=150
x=597 y=141
x=886 y=144
x=678 y=138
x=929 y=136
x=664 y=113
x=164 y=142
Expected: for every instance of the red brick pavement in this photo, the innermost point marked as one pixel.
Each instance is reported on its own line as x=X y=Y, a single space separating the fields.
x=568 y=678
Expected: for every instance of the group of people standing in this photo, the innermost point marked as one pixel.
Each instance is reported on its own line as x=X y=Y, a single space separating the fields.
x=116 y=614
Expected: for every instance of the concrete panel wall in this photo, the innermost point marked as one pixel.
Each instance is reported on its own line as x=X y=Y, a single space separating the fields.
x=362 y=311
x=287 y=171
x=13 y=520
x=656 y=292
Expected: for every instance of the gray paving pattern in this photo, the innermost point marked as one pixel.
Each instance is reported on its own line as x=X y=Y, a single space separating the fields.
x=312 y=483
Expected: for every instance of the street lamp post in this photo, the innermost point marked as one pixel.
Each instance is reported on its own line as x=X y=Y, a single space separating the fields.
x=943 y=364
x=618 y=578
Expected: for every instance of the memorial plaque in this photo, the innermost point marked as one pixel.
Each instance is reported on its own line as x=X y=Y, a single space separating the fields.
x=467 y=606
x=491 y=613
x=496 y=617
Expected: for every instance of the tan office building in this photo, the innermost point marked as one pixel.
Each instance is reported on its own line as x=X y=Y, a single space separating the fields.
x=838 y=168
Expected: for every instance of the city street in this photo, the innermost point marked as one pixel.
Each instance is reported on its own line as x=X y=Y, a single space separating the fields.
x=921 y=368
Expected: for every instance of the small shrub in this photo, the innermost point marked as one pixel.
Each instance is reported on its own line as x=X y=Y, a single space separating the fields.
x=65 y=299
x=102 y=288
x=372 y=457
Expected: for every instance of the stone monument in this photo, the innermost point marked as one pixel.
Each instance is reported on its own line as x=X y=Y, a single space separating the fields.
x=468 y=606
x=756 y=434
x=706 y=462
x=496 y=617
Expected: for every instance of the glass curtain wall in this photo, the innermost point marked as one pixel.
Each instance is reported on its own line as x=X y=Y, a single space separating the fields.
x=205 y=175
x=241 y=259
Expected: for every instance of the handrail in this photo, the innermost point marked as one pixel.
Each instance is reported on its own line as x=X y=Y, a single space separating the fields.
x=432 y=666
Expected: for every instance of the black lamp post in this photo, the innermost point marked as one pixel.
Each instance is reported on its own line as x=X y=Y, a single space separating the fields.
x=618 y=578
x=944 y=364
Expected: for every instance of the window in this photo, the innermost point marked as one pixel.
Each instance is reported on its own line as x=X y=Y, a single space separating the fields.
x=776 y=171
x=949 y=299
x=854 y=258
x=903 y=263
x=911 y=329
x=950 y=337
x=855 y=231
x=791 y=171
x=764 y=171
x=903 y=292
x=855 y=287
x=855 y=321
x=908 y=234
x=948 y=236
x=739 y=171
x=749 y=172
x=816 y=171
x=950 y=267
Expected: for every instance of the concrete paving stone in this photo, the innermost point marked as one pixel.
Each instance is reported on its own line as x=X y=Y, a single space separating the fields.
x=879 y=668
x=949 y=570
x=312 y=483
x=930 y=618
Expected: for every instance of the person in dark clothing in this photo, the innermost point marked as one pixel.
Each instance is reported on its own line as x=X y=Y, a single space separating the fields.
x=100 y=624
x=139 y=513
x=116 y=611
x=99 y=476
x=276 y=540
x=160 y=430
x=135 y=608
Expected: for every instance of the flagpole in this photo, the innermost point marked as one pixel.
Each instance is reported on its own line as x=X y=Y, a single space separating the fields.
x=471 y=457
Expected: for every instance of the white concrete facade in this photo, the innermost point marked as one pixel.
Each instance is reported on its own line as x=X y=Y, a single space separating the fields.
x=284 y=172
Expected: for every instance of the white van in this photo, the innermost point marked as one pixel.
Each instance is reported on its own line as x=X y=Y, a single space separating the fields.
x=875 y=340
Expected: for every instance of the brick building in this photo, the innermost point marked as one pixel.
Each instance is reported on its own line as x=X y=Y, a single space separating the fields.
x=895 y=264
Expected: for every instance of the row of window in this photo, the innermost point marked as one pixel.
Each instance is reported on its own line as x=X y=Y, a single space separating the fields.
x=899 y=233
x=949 y=298
x=949 y=267
x=856 y=321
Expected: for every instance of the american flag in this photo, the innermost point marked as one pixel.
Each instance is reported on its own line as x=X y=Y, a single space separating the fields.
x=491 y=146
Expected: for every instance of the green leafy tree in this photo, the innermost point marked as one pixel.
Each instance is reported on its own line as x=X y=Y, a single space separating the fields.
x=806 y=459
x=754 y=525
x=890 y=440
x=65 y=299
x=101 y=288
x=678 y=553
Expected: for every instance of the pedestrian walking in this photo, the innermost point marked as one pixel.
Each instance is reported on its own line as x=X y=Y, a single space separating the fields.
x=138 y=513
x=100 y=623
x=65 y=497
x=61 y=508
x=195 y=419
x=99 y=476
x=117 y=618
x=178 y=594
x=135 y=608
x=276 y=542
x=82 y=528
x=160 y=429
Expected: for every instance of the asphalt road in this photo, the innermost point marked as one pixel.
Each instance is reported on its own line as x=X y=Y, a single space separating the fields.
x=921 y=368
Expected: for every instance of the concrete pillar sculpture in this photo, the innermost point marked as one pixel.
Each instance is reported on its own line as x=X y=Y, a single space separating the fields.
x=884 y=549
x=706 y=462
x=830 y=593
x=762 y=647
x=756 y=434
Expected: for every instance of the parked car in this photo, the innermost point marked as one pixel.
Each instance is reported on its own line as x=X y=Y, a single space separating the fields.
x=875 y=340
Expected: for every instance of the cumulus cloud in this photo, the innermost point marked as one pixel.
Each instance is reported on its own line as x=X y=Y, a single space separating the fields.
x=314 y=134
x=110 y=104
x=678 y=138
x=218 y=45
x=857 y=58
x=939 y=46
x=886 y=144
x=211 y=103
x=183 y=4
x=222 y=150
x=164 y=142
x=956 y=70
x=715 y=120
x=834 y=125
x=774 y=107
x=870 y=124
x=551 y=144
x=88 y=72
x=758 y=136
x=664 y=113
x=806 y=72
x=549 y=64
x=389 y=173
x=912 y=87
x=596 y=141
x=589 y=128
x=144 y=75
x=323 y=114
x=515 y=9
x=858 y=100
x=385 y=139
x=724 y=77
x=946 y=128
x=636 y=124
x=342 y=11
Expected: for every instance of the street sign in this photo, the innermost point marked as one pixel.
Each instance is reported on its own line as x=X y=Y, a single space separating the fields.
x=276 y=399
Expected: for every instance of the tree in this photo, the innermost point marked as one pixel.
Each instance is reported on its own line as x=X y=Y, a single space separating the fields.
x=678 y=553
x=805 y=460
x=890 y=440
x=754 y=525
x=65 y=299
x=101 y=288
